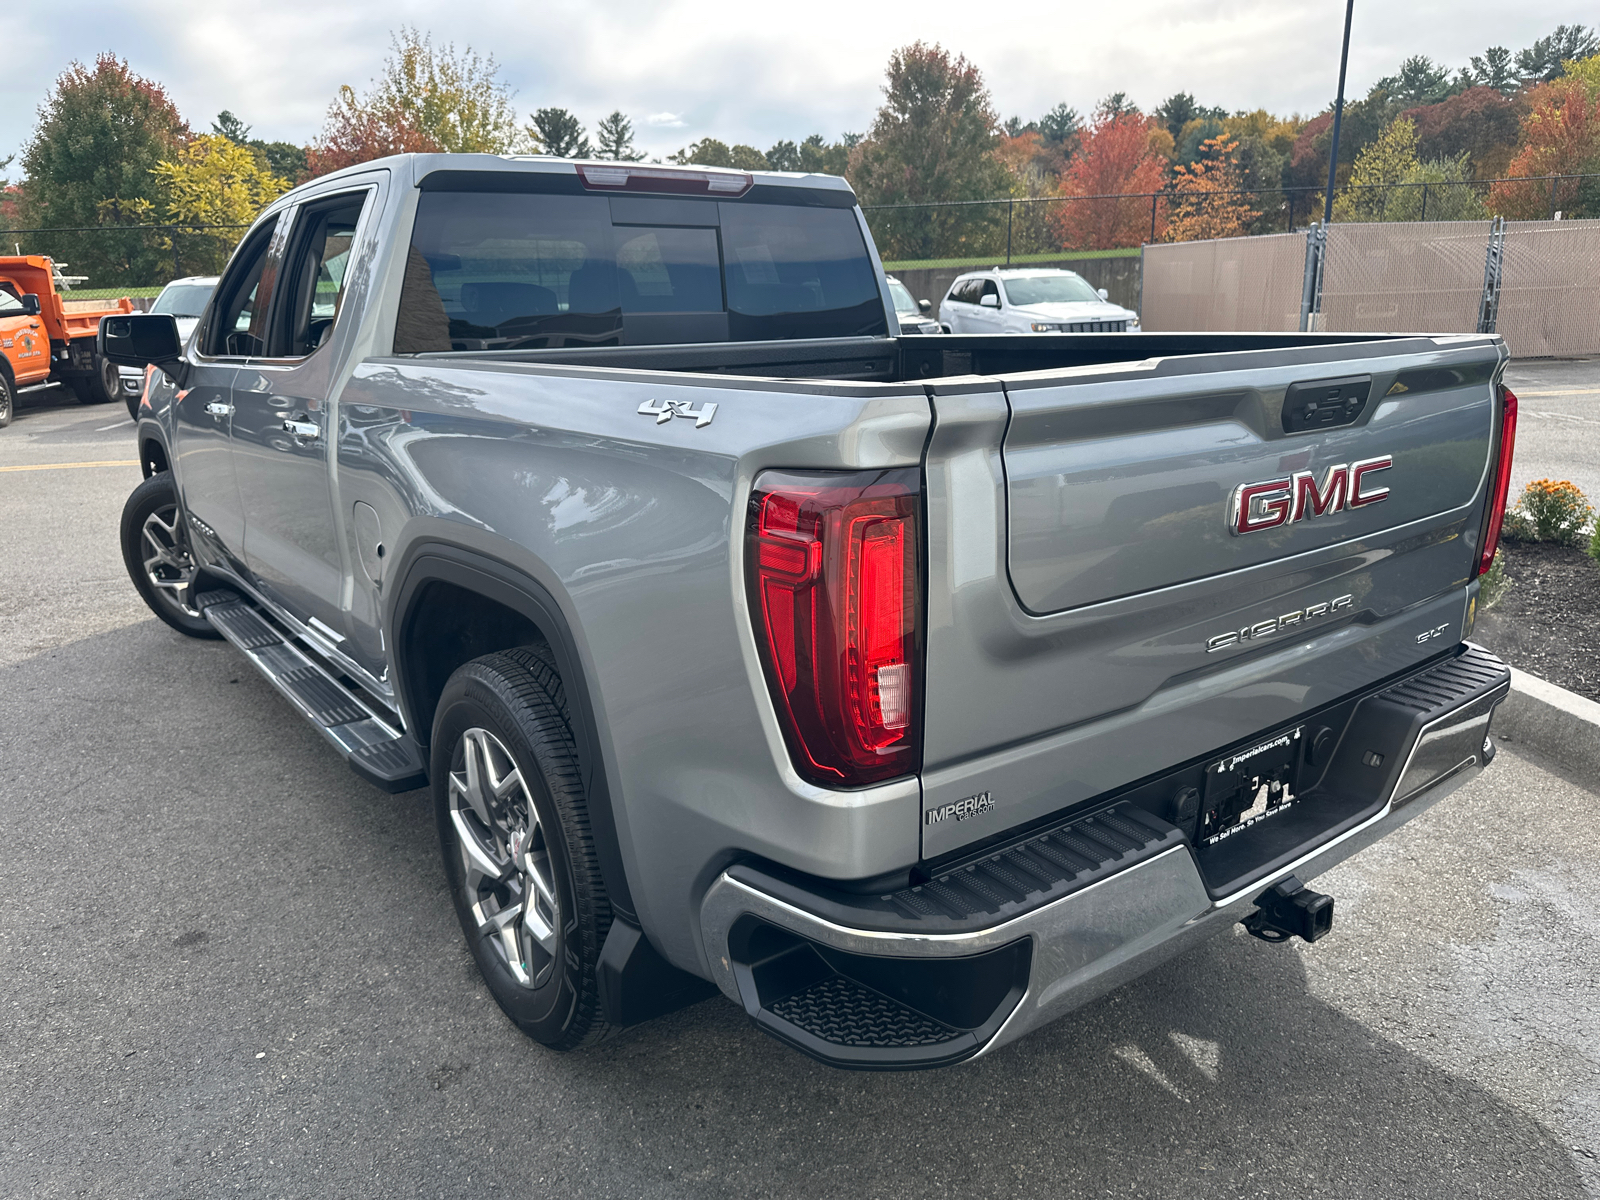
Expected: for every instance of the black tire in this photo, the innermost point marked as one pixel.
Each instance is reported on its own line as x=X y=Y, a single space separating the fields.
x=133 y=405
x=151 y=524
x=551 y=990
x=8 y=400
x=100 y=386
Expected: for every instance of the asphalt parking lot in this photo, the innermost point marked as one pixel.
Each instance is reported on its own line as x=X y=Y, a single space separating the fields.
x=230 y=967
x=1558 y=423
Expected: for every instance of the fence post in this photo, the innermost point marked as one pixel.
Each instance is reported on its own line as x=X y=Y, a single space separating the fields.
x=1493 y=262
x=1311 y=288
x=1154 y=196
x=1011 y=205
x=1291 y=211
x=1424 y=201
x=177 y=266
x=1553 y=197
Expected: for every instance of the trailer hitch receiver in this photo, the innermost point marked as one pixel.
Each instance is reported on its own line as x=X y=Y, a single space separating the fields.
x=1290 y=909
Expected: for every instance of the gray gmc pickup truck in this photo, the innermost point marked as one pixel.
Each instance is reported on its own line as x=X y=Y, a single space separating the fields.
x=910 y=691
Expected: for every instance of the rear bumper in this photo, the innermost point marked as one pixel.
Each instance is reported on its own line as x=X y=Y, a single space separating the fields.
x=881 y=993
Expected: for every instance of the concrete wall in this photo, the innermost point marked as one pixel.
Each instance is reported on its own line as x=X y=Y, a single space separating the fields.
x=1119 y=276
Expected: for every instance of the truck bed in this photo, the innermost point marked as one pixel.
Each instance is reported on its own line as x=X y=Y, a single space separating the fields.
x=911 y=359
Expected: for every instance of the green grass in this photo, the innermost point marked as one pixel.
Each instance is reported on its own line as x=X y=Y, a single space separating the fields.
x=992 y=260
x=110 y=293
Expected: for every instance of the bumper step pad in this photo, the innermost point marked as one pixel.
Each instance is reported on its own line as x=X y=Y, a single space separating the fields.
x=842 y=1012
x=365 y=737
x=993 y=888
x=872 y=1013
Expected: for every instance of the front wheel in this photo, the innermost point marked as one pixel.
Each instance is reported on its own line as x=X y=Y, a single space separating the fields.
x=155 y=549
x=8 y=400
x=100 y=386
x=518 y=856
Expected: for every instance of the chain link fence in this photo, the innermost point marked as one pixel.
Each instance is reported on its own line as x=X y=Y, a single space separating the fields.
x=1225 y=283
x=1015 y=227
x=1537 y=283
x=1549 y=295
x=1403 y=276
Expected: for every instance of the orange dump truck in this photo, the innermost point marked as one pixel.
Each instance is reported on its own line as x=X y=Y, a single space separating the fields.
x=44 y=336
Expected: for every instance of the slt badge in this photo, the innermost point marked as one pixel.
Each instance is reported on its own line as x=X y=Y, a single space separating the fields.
x=663 y=411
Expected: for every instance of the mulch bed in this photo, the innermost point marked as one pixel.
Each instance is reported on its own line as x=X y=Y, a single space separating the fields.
x=1547 y=622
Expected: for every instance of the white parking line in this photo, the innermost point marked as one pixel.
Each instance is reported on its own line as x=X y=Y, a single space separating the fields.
x=103 y=428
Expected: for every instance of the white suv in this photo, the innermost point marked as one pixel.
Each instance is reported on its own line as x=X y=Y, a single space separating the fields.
x=1036 y=300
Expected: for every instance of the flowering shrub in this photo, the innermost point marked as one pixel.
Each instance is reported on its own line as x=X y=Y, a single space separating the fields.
x=1551 y=510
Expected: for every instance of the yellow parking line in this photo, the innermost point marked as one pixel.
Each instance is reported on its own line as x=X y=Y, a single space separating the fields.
x=121 y=462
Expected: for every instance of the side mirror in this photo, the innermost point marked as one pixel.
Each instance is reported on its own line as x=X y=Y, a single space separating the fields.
x=1102 y=293
x=143 y=340
x=30 y=304
x=925 y=306
x=989 y=300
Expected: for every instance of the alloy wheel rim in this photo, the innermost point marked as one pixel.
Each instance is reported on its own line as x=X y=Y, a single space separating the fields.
x=168 y=565
x=507 y=878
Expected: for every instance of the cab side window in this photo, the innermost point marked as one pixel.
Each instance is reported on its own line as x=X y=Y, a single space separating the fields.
x=315 y=272
x=239 y=318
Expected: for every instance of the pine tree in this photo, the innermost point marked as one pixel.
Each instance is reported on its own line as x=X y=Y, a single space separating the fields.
x=615 y=135
x=1493 y=70
x=229 y=126
x=558 y=133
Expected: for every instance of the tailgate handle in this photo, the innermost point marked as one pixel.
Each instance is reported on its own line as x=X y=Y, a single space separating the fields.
x=1325 y=403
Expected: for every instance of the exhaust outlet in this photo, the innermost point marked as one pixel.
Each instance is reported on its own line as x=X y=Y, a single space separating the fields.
x=1290 y=909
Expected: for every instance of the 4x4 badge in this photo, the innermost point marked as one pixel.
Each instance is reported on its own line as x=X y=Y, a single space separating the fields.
x=664 y=410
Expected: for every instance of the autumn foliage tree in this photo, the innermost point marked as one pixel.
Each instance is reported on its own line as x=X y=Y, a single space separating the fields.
x=931 y=141
x=1560 y=136
x=101 y=131
x=1115 y=158
x=1479 y=122
x=1206 y=200
x=426 y=99
x=215 y=181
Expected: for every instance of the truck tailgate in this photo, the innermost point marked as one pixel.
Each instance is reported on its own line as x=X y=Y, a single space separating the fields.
x=1093 y=619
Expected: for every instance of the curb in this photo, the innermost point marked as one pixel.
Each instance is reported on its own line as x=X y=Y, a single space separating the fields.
x=1559 y=724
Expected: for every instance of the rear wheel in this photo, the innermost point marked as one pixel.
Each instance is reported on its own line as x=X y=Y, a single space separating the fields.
x=514 y=830
x=100 y=386
x=155 y=549
x=8 y=400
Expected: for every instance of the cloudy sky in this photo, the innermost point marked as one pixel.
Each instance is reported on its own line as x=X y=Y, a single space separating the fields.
x=743 y=72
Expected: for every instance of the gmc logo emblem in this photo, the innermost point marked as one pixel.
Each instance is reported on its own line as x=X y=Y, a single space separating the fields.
x=1275 y=502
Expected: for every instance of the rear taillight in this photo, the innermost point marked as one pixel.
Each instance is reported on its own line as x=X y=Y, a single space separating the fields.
x=1500 y=485
x=836 y=597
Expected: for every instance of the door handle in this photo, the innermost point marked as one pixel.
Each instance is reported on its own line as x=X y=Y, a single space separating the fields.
x=217 y=408
x=303 y=430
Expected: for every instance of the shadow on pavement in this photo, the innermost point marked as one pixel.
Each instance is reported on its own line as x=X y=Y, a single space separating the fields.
x=230 y=962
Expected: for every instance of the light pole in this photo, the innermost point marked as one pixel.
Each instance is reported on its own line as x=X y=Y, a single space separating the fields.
x=1338 y=114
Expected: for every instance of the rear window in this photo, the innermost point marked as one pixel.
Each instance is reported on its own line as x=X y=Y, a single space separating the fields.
x=510 y=271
